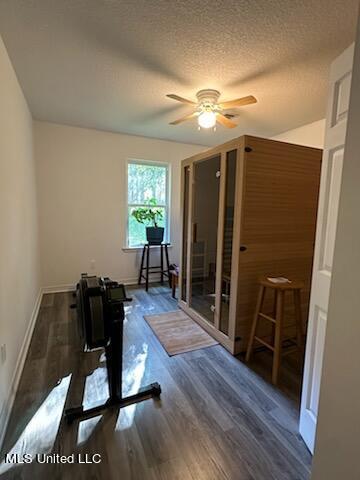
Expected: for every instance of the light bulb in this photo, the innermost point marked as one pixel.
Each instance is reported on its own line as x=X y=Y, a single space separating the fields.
x=207 y=119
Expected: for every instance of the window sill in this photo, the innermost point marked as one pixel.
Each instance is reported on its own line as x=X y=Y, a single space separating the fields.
x=135 y=249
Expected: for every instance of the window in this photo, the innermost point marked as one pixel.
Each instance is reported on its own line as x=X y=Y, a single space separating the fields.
x=146 y=181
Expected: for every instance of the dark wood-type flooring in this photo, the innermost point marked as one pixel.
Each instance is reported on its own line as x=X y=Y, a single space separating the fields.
x=217 y=418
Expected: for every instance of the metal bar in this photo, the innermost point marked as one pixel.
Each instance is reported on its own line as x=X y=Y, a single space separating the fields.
x=161 y=264
x=142 y=265
x=167 y=273
x=147 y=268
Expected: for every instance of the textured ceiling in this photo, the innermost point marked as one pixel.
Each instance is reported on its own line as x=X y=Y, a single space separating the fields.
x=108 y=64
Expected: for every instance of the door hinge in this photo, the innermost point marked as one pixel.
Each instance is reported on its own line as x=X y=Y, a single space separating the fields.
x=218 y=174
x=248 y=149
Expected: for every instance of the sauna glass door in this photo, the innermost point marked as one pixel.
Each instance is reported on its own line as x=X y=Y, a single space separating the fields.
x=227 y=240
x=186 y=179
x=206 y=187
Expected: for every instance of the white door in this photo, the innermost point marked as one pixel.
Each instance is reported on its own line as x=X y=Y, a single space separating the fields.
x=336 y=120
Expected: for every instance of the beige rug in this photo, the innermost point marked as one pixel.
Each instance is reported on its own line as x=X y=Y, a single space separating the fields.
x=178 y=333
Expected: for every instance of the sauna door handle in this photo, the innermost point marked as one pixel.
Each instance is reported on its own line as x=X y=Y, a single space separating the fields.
x=194 y=233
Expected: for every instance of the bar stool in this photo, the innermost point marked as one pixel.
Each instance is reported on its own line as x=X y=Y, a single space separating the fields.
x=156 y=269
x=277 y=319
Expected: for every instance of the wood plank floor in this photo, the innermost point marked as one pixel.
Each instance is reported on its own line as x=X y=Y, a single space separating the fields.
x=217 y=419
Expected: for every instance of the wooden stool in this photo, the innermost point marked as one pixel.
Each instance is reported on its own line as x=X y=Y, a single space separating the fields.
x=157 y=269
x=277 y=320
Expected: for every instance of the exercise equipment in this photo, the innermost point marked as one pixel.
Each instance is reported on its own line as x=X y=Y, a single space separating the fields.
x=100 y=312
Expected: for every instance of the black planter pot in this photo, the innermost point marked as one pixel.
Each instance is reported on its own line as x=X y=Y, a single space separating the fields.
x=154 y=235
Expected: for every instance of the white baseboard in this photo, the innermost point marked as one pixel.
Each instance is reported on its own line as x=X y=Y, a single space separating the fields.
x=134 y=281
x=9 y=401
x=58 y=288
x=71 y=287
x=128 y=281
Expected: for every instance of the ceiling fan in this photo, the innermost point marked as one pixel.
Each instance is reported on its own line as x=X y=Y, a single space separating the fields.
x=208 y=111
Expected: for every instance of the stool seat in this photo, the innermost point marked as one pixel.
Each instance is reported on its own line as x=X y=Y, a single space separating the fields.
x=291 y=285
x=276 y=319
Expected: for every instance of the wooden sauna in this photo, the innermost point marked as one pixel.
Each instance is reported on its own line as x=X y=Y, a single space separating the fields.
x=248 y=209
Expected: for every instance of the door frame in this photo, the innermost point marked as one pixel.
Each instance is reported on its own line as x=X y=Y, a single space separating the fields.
x=330 y=187
x=237 y=144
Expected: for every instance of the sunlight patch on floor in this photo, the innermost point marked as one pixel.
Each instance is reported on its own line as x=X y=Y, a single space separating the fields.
x=96 y=389
x=86 y=428
x=132 y=378
x=40 y=433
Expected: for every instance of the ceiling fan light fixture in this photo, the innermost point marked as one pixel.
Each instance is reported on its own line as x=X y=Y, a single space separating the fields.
x=207 y=119
x=208 y=109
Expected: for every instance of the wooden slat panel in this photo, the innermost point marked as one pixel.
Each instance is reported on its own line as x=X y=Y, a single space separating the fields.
x=278 y=221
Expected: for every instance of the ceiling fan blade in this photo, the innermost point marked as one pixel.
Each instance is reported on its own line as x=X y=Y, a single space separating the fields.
x=225 y=121
x=183 y=119
x=181 y=99
x=238 y=102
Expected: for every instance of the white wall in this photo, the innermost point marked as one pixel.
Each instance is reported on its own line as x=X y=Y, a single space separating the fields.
x=19 y=276
x=310 y=135
x=82 y=199
x=337 y=442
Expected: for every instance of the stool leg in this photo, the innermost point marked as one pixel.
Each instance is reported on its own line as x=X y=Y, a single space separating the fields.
x=278 y=336
x=167 y=263
x=274 y=316
x=299 y=326
x=161 y=264
x=142 y=265
x=147 y=268
x=255 y=322
x=173 y=285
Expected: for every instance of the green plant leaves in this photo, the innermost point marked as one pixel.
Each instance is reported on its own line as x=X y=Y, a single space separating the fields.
x=147 y=215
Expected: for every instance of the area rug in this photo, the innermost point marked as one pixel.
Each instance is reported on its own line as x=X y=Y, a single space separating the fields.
x=178 y=333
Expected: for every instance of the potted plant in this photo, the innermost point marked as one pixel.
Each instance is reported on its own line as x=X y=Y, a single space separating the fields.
x=150 y=215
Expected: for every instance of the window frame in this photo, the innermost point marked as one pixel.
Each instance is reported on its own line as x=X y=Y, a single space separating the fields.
x=150 y=163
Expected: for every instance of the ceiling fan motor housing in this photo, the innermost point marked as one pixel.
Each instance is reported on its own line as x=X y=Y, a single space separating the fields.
x=208 y=98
